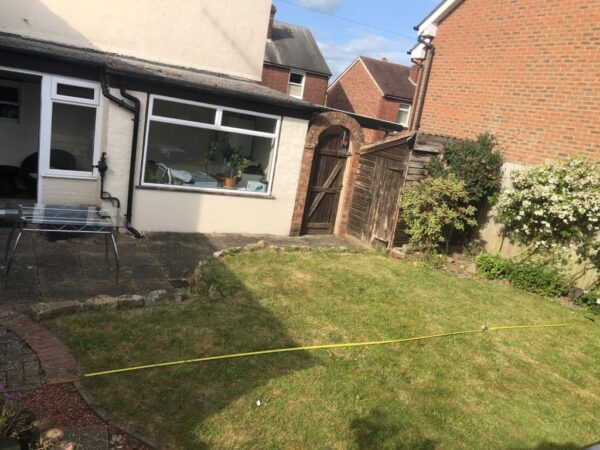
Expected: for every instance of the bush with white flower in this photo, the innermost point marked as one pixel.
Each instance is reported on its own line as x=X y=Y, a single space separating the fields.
x=555 y=207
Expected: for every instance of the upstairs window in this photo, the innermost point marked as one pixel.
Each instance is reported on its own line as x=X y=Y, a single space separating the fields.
x=296 y=84
x=197 y=146
x=403 y=114
x=10 y=111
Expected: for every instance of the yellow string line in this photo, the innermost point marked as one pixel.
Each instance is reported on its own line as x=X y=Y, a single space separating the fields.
x=324 y=346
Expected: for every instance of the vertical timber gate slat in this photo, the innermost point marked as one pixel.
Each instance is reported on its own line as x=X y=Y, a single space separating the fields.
x=327 y=176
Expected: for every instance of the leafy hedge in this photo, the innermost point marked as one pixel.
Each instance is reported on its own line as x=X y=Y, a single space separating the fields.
x=533 y=276
x=476 y=162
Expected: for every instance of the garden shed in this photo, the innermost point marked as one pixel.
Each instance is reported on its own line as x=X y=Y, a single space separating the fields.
x=384 y=169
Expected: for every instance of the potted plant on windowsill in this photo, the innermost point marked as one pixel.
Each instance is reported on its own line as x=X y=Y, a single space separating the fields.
x=236 y=163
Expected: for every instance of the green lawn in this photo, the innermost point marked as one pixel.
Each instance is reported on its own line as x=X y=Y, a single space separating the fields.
x=523 y=389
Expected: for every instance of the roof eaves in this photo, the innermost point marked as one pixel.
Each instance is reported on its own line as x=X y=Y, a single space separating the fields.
x=138 y=74
x=269 y=63
x=439 y=13
x=342 y=74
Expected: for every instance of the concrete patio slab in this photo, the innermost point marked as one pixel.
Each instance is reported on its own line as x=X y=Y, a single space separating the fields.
x=77 y=268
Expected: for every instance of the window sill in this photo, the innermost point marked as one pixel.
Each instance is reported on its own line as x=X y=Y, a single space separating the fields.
x=231 y=193
x=71 y=176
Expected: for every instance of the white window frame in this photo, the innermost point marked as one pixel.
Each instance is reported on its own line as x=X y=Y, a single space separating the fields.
x=297 y=72
x=217 y=127
x=407 y=113
x=50 y=89
x=19 y=103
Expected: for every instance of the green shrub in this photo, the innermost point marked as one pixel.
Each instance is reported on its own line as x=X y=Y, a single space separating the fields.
x=476 y=162
x=538 y=277
x=433 y=208
x=589 y=300
x=494 y=266
x=534 y=276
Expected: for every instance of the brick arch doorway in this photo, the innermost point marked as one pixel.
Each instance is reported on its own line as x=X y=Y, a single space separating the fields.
x=325 y=183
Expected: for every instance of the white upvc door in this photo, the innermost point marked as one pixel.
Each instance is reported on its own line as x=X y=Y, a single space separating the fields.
x=70 y=129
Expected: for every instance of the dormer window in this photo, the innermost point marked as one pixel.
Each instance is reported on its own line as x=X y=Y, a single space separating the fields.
x=296 y=84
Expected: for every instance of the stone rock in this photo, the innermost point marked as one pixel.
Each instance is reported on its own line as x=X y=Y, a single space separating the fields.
x=42 y=310
x=232 y=250
x=397 y=252
x=257 y=246
x=130 y=301
x=409 y=248
x=299 y=248
x=196 y=280
x=219 y=254
x=158 y=297
x=100 y=303
x=181 y=294
x=342 y=249
x=213 y=293
x=471 y=268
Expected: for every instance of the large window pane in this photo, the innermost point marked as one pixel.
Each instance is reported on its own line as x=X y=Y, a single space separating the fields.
x=181 y=155
x=73 y=132
x=248 y=122
x=183 y=111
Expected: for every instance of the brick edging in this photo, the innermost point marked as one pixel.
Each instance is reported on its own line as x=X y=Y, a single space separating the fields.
x=57 y=361
x=106 y=417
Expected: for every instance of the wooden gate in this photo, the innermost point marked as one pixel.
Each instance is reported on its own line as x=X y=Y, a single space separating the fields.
x=387 y=182
x=327 y=176
x=373 y=211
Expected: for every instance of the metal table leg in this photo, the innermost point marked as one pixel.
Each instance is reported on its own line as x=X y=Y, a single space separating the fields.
x=9 y=241
x=106 y=247
x=11 y=256
x=116 y=251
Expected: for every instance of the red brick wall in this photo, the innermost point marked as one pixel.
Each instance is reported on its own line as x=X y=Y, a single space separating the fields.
x=526 y=70
x=357 y=92
x=315 y=86
x=276 y=77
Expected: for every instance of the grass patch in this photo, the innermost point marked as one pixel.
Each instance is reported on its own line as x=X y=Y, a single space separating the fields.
x=515 y=389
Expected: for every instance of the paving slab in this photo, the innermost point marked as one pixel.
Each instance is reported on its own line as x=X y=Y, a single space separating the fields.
x=47 y=270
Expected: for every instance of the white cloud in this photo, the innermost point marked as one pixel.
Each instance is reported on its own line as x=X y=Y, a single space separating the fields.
x=321 y=5
x=340 y=55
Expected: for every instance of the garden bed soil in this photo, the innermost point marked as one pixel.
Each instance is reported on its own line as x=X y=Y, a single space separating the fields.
x=61 y=406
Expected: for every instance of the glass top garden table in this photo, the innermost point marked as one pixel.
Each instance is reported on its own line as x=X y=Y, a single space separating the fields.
x=44 y=218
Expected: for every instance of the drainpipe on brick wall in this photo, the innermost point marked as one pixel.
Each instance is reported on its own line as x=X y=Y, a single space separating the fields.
x=135 y=109
x=430 y=49
x=421 y=66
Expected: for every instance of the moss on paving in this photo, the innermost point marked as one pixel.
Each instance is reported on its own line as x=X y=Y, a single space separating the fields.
x=526 y=389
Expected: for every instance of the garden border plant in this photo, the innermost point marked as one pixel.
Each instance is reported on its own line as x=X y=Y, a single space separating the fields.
x=554 y=210
x=462 y=180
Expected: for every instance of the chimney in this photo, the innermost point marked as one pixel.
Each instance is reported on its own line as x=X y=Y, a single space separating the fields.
x=271 y=19
x=384 y=59
x=414 y=73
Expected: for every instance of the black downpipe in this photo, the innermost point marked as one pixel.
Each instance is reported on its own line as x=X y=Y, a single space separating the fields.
x=135 y=109
x=431 y=51
x=133 y=159
x=417 y=90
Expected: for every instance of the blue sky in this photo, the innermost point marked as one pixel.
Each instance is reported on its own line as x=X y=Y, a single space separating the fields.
x=342 y=41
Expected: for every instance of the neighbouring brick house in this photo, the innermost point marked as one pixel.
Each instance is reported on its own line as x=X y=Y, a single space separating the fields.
x=375 y=88
x=293 y=62
x=527 y=71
